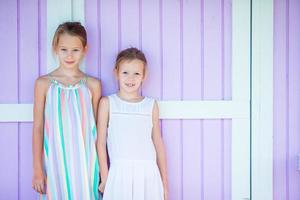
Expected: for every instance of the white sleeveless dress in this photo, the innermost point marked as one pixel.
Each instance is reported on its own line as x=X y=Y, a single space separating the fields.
x=133 y=172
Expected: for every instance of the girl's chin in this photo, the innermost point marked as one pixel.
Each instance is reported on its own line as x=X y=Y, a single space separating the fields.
x=68 y=65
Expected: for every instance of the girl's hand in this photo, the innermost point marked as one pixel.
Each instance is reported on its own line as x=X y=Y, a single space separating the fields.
x=39 y=182
x=102 y=186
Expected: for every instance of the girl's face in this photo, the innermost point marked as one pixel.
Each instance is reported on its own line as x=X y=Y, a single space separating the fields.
x=130 y=75
x=69 y=51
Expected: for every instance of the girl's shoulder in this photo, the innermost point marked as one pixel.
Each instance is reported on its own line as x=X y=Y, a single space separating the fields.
x=42 y=83
x=93 y=83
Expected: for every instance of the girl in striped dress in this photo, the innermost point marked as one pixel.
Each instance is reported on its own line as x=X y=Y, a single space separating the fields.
x=129 y=126
x=64 y=130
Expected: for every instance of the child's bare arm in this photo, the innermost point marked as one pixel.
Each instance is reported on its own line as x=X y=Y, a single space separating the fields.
x=160 y=149
x=95 y=88
x=102 y=123
x=40 y=90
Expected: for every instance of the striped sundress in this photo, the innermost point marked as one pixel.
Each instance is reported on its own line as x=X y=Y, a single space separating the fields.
x=70 y=156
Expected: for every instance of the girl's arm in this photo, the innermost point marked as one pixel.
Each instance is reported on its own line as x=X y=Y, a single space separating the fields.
x=39 y=180
x=103 y=116
x=160 y=149
x=95 y=88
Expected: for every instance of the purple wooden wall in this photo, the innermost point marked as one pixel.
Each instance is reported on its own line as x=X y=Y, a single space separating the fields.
x=286 y=99
x=22 y=35
x=188 y=45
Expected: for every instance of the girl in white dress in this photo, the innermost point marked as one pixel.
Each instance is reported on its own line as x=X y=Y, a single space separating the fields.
x=129 y=127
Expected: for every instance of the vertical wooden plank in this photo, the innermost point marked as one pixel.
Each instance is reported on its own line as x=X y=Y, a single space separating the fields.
x=294 y=98
x=29 y=71
x=227 y=95
x=227 y=195
x=42 y=23
x=191 y=33
x=92 y=24
x=171 y=89
x=280 y=185
x=109 y=43
x=212 y=91
x=151 y=46
x=8 y=36
x=9 y=94
x=9 y=160
x=129 y=23
x=29 y=66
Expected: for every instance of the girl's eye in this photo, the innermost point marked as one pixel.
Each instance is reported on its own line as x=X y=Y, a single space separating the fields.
x=124 y=72
x=63 y=49
x=75 y=50
x=137 y=74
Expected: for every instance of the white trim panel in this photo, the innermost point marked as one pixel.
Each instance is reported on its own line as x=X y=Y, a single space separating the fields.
x=68 y=10
x=203 y=109
x=168 y=110
x=16 y=112
x=262 y=98
x=240 y=149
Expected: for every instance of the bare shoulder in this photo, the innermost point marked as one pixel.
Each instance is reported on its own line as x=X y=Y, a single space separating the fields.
x=94 y=83
x=155 y=111
x=42 y=83
x=155 y=105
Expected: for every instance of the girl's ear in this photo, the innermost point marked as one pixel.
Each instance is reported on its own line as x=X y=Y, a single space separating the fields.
x=116 y=73
x=145 y=74
x=85 y=49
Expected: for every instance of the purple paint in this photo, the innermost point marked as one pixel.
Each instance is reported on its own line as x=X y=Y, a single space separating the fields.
x=280 y=114
x=99 y=31
x=286 y=99
x=9 y=161
x=129 y=13
x=119 y=26
x=202 y=96
x=109 y=44
x=294 y=98
x=287 y=102
x=161 y=47
x=91 y=24
x=212 y=135
x=9 y=94
x=150 y=42
x=191 y=71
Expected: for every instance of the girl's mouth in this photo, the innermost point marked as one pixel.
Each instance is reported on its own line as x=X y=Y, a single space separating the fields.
x=129 y=84
x=69 y=62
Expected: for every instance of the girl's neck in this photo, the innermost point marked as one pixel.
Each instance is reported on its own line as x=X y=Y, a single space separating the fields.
x=72 y=72
x=129 y=96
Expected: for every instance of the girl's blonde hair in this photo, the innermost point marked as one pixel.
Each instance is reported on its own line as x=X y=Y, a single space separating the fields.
x=71 y=28
x=129 y=55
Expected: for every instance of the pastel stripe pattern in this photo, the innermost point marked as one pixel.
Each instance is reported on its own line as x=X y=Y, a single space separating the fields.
x=70 y=134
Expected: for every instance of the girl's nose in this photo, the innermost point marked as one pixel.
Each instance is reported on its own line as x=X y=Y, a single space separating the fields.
x=131 y=77
x=69 y=54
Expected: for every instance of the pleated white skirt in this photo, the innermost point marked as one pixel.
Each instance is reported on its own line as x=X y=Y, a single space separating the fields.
x=133 y=180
